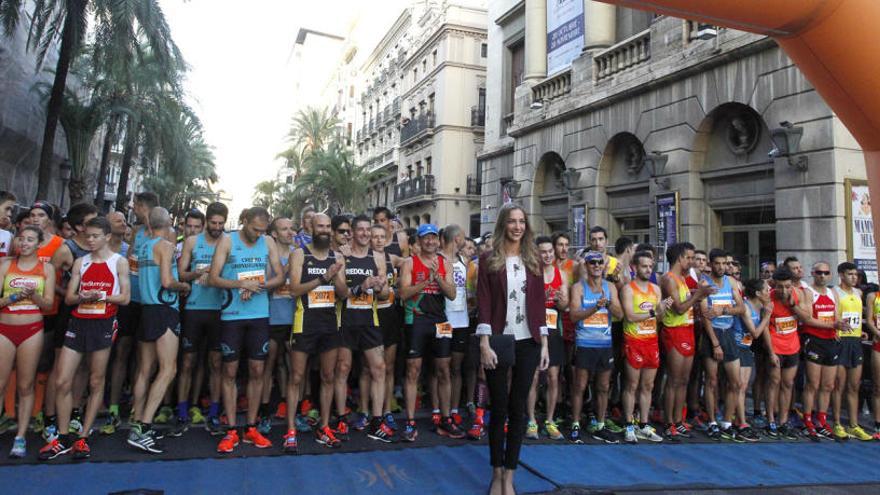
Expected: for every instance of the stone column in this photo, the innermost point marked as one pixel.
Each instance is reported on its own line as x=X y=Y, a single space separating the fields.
x=600 y=25
x=536 y=41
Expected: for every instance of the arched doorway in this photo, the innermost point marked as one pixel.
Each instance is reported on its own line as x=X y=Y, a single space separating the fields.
x=550 y=198
x=627 y=188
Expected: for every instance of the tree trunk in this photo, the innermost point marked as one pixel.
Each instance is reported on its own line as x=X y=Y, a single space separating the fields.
x=134 y=129
x=69 y=41
x=109 y=138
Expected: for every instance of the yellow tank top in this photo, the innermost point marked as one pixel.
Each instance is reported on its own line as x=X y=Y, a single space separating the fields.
x=643 y=303
x=876 y=309
x=672 y=319
x=850 y=305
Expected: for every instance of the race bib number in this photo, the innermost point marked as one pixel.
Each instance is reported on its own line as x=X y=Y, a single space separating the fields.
x=825 y=316
x=362 y=301
x=98 y=307
x=444 y=330
x=786 y=325
x=257 y=275
x=855 y=323
x=552 y=318
x=203 y=278
x=599 y=319
x=132 y=264
x=647 y=327
x=282 y=292
x=747 y=338
x=323 y=296
x=388 y=303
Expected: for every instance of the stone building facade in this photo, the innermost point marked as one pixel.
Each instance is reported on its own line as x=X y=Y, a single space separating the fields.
x=719 y=120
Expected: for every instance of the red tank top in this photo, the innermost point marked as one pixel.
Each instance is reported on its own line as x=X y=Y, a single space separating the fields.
x=420 y=273
x=783 y=328
x=100 y=276
x=824 y=311
x=550 y=289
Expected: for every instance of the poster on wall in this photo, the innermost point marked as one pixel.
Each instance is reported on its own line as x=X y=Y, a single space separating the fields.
x=667 y=219
x=579 y=227
x=860 y=246
x=565 y=33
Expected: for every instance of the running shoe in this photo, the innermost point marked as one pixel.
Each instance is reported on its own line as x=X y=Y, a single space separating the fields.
x=796 y=419
x=214 y=426
x=772 y=431
x=195 y=416
x=361 y=421
x=575 y=434
x=532 y=430
x=456 y=418
x=313 y=416
x=629 y=435
x=699 y=424
x=75 y=425
x=111 y=425
x=81 y=449
x=7 y=424
x=178 y=429
x=303 y=424
x=472 y=409
x=449 y=429
x=435 y=421
x=594 y=424
x=281 y=411
x=759 y=421
x=787 y=432
x=876 y=435
x=341 y=430
x=53 y=449
x=389 y=420
x=553 y=430
x=384 y=433
x=289 y=446
x=824 y=431
x=19 y=448
x=253 y=436
x=612 y=426
x=647 y=432
x=840 y=433
x=164 y=416
x=38 y=422
x=229 y=442
x=325 y=437
x=603 y=435
x=731 y=435
x=145 y=440
x=671 y=433
x=410 y=433
x=683 y=430
x=476 y=431
x=305 y=406
x=810 y=432
x=746 y=433
x=265 y=425
x=858 y=433
x=50 y=433
x=714 y=433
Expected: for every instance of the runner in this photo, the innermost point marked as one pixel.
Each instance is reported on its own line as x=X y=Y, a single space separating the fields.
x=7 y=202
x=239 y=267
x=316 y=281
x=872 y=322
x=201 y=324
x=118 y=227
x=641 y=306
x=304 y=236
x=746 y=329
x=425 y=281
x=679 y=343
x=782 y=355
x=398 y=242
x=27 y=290
x=452 y=242
x=719 y=309
x=98 y=284
x=159 y=330
x=818 y=313
x=594 y=302
x=598 y=241
x=556 y=289
x=849 y=369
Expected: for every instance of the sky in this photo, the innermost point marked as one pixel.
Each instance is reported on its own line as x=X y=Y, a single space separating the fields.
x=241 y=77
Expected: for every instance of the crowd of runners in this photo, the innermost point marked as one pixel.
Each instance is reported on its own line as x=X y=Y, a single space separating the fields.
x=356 y=324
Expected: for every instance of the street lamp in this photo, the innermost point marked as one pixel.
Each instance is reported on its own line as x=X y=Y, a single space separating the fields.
x=656 y=163
x=64 y=173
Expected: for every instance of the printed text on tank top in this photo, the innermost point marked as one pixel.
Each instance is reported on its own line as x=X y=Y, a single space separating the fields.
x=595 y=330
x=643 y=303
x=672 y=319
x=17 y=280
x=850 y=311
x=723 y=297
x=358 y=269
x=431 y=301
x=824 y=309
x=98 y=276
x=550 y=290
x=323 y=296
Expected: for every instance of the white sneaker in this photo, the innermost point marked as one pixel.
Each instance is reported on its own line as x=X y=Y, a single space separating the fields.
x=648 y=433
x=630 y=435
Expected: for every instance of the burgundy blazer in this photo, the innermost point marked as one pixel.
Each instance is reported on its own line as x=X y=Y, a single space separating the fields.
x=492 y=300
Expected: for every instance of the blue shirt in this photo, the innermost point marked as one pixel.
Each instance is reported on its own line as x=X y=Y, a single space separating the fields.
x=243 y=263
x=280 y=302
x=302 y=239
x=203 y=297
x=739 y=328
x=150 y=278
x=140 y=237
x=723 y=297
x=595 y=331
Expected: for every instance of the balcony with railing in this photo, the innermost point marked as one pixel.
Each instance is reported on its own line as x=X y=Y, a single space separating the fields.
x=417 y=127
x=478 y=116
x=371 y=125
x=414 y=188
x=474 y=187
x=395 y=107
x=386 y=114
x=631 y=52
x=552 y=87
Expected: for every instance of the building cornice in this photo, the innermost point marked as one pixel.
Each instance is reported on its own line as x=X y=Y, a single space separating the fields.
x=514 y=12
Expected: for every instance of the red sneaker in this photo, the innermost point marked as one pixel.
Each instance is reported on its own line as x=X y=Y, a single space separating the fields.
x=229 y=442
x=456 y=418
x=305 y=407
x=435 y=421
x=341 y=430
x=281 y=412
x=255 y=437
x=476 y=431
x=325 y=436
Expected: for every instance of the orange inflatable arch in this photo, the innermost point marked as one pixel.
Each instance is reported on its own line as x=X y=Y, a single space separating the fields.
x=835 y=43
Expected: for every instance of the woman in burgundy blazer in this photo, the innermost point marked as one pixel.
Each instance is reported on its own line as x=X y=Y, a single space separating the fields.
x=510 y=298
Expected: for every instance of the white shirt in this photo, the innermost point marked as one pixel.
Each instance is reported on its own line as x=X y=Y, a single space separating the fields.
x=5 y=242
x=516 y=322
x=456 y=309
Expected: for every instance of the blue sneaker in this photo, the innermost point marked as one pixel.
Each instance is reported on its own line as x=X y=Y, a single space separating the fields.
x=302 y=424
x=575 y=435
x=215 y=427
x=389 y=421
x=265 y=425
x=360 y=422
x=50 y=433
x=410 y=433
x=19 y=448
x=759 y=421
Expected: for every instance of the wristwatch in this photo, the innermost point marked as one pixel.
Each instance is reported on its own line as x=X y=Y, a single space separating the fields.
x=652 y=313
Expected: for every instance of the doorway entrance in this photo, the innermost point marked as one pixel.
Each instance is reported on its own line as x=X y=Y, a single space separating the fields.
x=750 y=236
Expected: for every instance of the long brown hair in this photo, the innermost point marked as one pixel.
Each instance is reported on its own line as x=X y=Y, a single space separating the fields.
x=528 y=252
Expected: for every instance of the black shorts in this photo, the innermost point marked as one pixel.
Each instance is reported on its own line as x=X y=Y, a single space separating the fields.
x=156 y=319
x=460 y=339
x=390 y=323
x=90 y=335
x=594 y=359
x=61 y=324
x=746 y=357
x=314 y=342
x=851 y=355
x=199 y=324
x=556 y=347
x=252 y=333
x=422 y=336
x=727 y=342
x=361 y=337
x=824 y=352
x=280 y=334
x=129 y=318
x=789 y=360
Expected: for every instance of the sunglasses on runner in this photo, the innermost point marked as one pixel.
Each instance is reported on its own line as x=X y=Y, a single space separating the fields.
x=821 y=272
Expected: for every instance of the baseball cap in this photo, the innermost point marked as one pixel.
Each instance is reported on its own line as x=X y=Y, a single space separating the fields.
x=427 y=228
x=593 y=255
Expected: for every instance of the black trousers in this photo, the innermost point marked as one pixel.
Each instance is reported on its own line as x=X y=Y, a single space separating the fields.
x=510 y=404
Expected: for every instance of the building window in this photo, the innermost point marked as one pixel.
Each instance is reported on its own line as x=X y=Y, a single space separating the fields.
x=434 y=58
x=484 y=50
x=428 y=166
x=426 y=218
x=517 y=69
x=415 y=75
x=418 y=169
x=431 y=103
x=425 y=66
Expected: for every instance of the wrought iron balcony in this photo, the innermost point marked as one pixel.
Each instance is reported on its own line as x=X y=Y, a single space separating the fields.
x=413 y=188
x=416 y=127
x=474 y=187
x=478 y=116
x=395 y=107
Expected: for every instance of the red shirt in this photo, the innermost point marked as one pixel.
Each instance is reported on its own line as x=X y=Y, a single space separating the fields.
x=102 y=276
x=824 y=309
x=783 y=328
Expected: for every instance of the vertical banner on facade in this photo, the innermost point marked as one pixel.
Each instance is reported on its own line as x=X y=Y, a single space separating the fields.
x=667 y=219
x=860 y=246
x=579 y=226
x=565 y=33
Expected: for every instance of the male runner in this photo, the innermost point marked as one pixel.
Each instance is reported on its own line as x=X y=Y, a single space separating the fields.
x=239 y=267
x=452 y=242
x=7 y=202
x=304 y=236
x=398 y=242
x=201 y=323
x=598 y=243
x=117 y=233
x=783 y=355
x=317 y=281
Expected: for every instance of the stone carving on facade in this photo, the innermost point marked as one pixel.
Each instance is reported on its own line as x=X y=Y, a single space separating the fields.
x=634 y=157
x=742 y=133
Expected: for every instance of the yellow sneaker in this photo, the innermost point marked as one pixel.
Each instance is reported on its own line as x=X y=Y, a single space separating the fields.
x=840 y=432
x=858 y=433
x=532 y=431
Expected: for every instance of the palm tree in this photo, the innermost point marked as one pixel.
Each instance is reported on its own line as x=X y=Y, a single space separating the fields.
x=312 y=128
x=335 y=177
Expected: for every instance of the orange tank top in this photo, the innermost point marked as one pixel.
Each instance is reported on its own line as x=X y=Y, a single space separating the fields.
x=17 y=280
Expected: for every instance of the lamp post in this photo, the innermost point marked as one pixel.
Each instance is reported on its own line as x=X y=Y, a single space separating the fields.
x=65 y=168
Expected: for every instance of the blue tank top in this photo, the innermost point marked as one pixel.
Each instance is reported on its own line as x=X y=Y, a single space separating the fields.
x=280 y=301
x=245 y=262
x=724 y=297
x=140 y=237
x=595 y=331
x=150 y=278
x=739 y=329
x=203 y=297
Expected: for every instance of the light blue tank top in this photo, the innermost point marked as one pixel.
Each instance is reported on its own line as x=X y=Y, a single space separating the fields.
x=595 y=331
x=203 y=297
x=246 y=262
x=724 y=296
x=280 y=302
x=739 y=329
x=150 y=278
x=140 y=237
